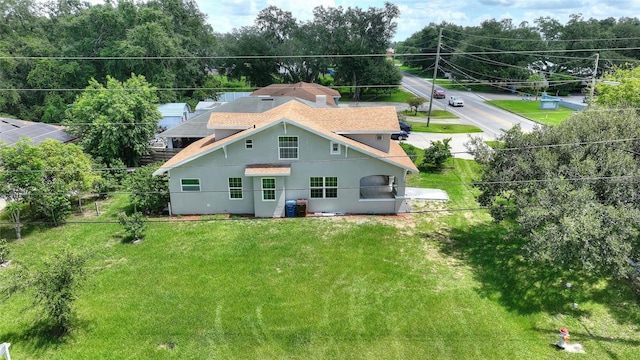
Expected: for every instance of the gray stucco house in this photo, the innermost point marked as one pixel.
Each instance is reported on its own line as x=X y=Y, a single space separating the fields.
x=339 y=160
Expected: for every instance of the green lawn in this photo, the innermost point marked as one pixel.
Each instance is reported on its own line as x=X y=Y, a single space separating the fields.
x=531 y=110
x=439 y=284
x=396 y=95
x=435 y=114
x=419 y=124
x=443 y=128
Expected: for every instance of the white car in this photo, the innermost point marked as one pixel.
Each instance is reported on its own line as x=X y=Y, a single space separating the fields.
x=455 y=101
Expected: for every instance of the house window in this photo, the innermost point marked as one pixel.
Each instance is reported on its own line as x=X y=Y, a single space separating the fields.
x=268 y=189
x=235 y=188
x=287 y=147
x=378 y=137
x=335 y=148
x=190 y=184
x=323 y=187
x=248 y=144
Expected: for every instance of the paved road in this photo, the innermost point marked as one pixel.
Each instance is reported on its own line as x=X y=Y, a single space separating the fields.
x=491 y=120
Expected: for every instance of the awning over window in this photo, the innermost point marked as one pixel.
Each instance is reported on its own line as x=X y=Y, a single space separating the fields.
x=267 y=170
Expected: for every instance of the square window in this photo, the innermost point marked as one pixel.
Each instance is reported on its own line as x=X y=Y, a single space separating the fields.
x=287 y=147
x=248 y=144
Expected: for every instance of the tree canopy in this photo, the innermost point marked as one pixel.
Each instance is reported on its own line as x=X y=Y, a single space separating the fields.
x=279 y=48
x=116 y=121
x=504 y=55
x=167 y=41
x=571 y=190
x=44 y=177
x=620 y=88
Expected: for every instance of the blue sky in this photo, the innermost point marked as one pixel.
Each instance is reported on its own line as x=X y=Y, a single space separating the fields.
x=225 y=15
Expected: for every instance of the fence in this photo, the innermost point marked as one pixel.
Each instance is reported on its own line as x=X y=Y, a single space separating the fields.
x=158 y=154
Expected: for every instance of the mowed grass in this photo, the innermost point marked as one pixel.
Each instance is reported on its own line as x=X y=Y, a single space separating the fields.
x=443 y=128
x=531 y=110
x=435 y=114
x=441 y=283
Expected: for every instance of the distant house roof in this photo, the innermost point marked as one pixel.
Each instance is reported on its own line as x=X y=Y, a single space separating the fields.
x=302 y=90
x=232 y=96
x=12 y=130
x=196 y=127
x=326 y=122
x=173 y=114
x=173 y=109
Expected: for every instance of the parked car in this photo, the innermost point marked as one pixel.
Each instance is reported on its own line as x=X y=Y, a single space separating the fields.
x=456 y=101
x=401 y=135
x=404 y=126
x=439 y=94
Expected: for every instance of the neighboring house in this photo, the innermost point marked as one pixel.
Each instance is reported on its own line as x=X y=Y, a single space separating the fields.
x=12 y=130
x=302 y=90
x=196 y=128
x=173 y=114
x=340 y=160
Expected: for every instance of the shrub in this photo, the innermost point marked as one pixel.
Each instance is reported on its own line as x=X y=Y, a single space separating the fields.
x=437 y=154
x=134 y=225
x=4 y=250
x=149 y=193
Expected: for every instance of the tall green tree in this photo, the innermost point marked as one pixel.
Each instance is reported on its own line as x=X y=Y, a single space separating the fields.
x=620 y=88
x=571 y=190
x=45 y=177
x=505 y=63
x=115 y=121
x=366 y=34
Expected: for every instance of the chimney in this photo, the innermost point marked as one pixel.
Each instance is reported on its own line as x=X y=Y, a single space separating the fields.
x=321 y=100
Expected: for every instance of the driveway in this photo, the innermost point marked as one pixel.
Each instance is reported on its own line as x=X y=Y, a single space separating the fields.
x=458 y=150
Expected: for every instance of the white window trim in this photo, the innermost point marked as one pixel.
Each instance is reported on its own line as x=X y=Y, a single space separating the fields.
x=182 y=185
x=324 y=187
x=331 y=151
x=236 y=188
x=297 y=147
x=263 y=188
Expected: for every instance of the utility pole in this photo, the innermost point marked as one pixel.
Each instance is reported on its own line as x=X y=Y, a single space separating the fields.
x=593 y=78
x=435 y=74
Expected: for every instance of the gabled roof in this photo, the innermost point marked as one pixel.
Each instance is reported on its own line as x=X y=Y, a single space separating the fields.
x=302 y=90
x=12 y=130
x=324 y=122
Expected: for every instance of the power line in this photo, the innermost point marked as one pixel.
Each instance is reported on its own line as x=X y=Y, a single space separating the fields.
x=369 y=158
x=243 y=217
x=93 y=58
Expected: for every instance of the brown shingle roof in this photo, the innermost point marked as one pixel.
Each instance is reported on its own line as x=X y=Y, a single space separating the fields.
x=328 y=122
x=302 y=90
x=340 y=120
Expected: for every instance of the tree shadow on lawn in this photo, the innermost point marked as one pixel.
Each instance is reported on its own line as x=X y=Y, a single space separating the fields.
x=8 y=231
x=42 y=336
x=529 y=287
